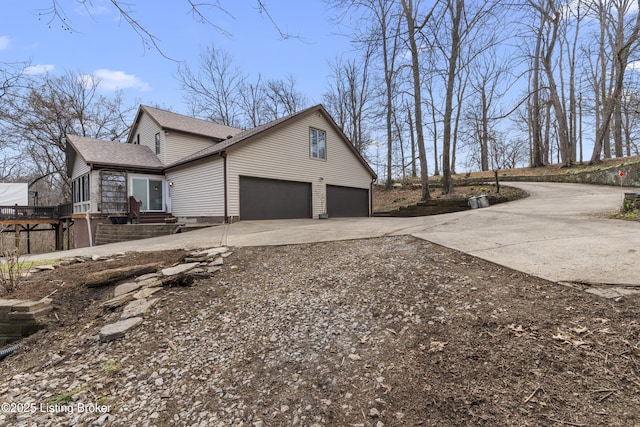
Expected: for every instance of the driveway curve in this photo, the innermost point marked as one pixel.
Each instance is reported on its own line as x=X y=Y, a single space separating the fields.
x=560 y=233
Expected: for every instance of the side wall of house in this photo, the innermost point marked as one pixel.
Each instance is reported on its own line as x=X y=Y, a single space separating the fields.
x=197 y=192
x=179 y=145
x=284 y=154
x=147 y=130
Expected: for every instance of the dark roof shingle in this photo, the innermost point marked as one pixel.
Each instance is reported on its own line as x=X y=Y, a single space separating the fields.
x=113 y=153
x=181 y=123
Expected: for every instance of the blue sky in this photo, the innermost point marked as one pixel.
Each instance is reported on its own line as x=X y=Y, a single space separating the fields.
x=104 y=45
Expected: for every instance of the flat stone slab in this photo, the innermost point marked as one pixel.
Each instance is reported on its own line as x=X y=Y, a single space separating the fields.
x=32 y=305
x=216 y=262
x=147 y=276
x=118 y=329
x=117 y=301
x=146 y=292
x=35 y=316
x=8 y=304
x=213 y=251
x=125 y=288
x=180 y=268
x=137 y=308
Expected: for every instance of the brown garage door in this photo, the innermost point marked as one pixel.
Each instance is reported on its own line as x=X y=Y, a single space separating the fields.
x=262 y=198
x=347 y=201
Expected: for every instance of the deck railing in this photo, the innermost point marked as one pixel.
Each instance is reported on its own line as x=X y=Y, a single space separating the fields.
x=36 y=212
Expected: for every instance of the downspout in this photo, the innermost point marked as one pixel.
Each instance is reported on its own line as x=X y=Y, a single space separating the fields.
x=90 y=203
x=89 y=229
x=371 y=197
x=223 y=154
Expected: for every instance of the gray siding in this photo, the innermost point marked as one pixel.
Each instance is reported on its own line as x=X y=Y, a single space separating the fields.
x=173 y=145
x=147 y=129
x=180 y=145
x=198 y=190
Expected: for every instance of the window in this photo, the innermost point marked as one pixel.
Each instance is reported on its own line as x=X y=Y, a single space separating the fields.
x=158 y=143
x=137 y=141
x=81 y=194
x=81 y=190
x=150 y=193
x=318 y=144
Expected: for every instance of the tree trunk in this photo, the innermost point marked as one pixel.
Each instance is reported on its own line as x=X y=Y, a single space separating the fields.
x=407 y=6
x=456 y=11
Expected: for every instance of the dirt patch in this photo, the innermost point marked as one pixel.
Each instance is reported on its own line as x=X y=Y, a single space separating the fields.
x=389 y=200
x=389 y=331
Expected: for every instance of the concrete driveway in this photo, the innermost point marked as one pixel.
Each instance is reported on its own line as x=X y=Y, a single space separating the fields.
x=560 y=233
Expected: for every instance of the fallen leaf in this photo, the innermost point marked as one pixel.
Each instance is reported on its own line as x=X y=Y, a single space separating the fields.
x=354 y=357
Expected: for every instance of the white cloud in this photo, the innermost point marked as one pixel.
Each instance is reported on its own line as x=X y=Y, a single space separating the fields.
x=33 y=70
x=115 y=80
x=634 y=66
x=4 y=42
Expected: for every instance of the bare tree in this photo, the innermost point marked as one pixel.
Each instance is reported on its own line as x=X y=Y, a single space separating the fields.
x=281 y=98
x=250 y=102
x=39 y=118
x=412 y=32
x=213 y=91
x=463 y=24
x=206 y=13
x=350 y=97
x=619 y=35
x=488 y=78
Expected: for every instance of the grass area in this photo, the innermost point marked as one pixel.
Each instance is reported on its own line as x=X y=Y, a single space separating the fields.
x=633 y=215
x=25 y=265
x=630 y=211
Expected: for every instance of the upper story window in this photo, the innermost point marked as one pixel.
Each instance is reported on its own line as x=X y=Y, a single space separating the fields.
x=137 y=141
x=318 y=144
x=158 y=143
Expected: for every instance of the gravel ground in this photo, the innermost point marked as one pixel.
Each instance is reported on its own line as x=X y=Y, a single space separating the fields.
x=379 y=332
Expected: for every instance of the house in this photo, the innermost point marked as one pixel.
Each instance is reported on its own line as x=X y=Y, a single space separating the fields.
x=299 y=166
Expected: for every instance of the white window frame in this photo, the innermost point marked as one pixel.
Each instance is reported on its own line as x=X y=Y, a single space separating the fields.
x=317 y=144
x=81 y=193
x=147 y=179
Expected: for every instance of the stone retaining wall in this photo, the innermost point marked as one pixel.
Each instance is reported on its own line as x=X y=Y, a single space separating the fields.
x=20 y=318
x=599 y=175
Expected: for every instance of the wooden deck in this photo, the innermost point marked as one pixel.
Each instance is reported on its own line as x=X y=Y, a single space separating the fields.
x=17 y=219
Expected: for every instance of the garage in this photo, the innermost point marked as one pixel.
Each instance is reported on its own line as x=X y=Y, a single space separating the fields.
x=347 y=201
x=262 y=198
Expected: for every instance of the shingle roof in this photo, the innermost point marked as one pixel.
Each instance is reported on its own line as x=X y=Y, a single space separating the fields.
x=113 y=153
x=246 y=135
x=181 y=123
x=221 y=146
